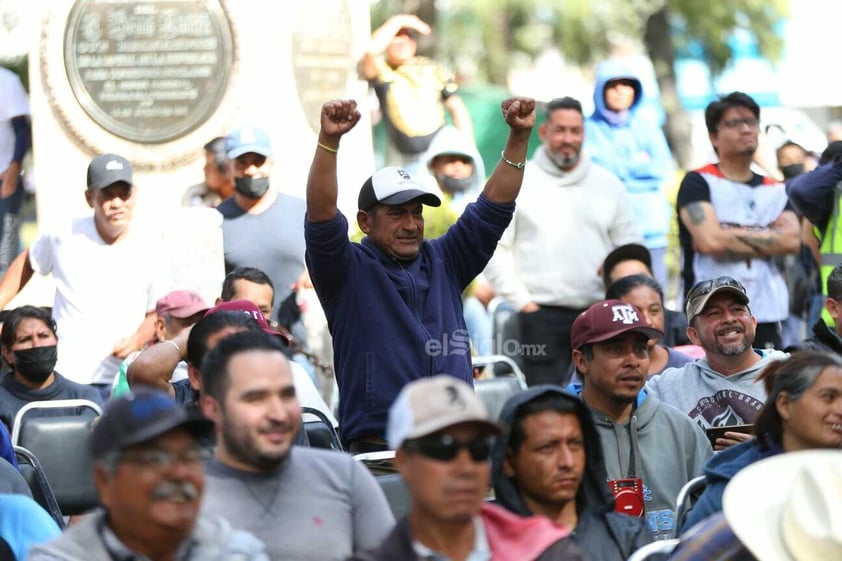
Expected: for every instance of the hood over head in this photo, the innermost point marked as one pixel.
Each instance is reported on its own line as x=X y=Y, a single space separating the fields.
x=450 y=140
x=614 y=69
x=593 y=491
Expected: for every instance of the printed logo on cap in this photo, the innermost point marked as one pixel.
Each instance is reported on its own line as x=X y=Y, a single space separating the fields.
x=625 y=314
x=114 y=164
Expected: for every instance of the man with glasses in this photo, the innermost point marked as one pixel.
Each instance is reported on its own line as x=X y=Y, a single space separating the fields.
x=304 y=503
x=443 y=437
x=734 y=221
x=651 y=450
x=149 y=474
x=719 y=390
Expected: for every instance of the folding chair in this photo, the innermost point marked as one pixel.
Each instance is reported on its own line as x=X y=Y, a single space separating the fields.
x=51 y=405
x=31 y=470
x=687 y=496
x=655 y=551
x=61 y=446
x=495 y=391
x=320 y=431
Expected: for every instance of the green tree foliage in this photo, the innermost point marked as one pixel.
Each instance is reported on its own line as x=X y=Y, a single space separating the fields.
x=484 y=39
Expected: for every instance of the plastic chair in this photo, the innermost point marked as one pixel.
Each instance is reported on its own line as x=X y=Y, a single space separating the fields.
x=320 y=431
x=396 y=492
x=61 y=446
x=495 y=391
x=52 y=404
x=686 y=497
x=655 y=551
x=31 y=470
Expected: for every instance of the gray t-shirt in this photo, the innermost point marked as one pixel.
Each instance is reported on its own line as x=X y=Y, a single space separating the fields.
x=272 y=241
x=320 y=505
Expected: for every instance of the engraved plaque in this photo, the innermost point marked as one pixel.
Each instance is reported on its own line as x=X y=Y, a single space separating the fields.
x=321 y=54
x=148 y=71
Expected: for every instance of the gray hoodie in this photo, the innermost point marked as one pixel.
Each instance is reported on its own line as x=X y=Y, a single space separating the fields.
x=710 y=398
x=664 y=447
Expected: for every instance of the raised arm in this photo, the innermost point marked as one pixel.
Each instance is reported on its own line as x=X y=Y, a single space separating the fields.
x=504 y=184
x=367 y=66
x=338 y=117
x=154 y=366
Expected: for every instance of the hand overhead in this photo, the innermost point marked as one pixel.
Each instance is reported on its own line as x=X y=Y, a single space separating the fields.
x=519 y=112
x=338 y=117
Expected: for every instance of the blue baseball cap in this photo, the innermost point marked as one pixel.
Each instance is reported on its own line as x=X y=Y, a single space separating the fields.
x=248 y=139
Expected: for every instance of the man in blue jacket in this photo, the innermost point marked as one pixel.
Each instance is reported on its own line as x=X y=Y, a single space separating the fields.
x=629 y=142
x=393 y=302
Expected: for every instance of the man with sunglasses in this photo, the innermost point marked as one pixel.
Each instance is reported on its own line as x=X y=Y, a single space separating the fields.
x=735 y=222
x=149 y=475
x=651 y=450
x=720 y=389
x=443 y=437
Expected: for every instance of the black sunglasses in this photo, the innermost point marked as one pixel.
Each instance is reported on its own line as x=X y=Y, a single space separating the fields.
x=705 y=287
x=444 y=447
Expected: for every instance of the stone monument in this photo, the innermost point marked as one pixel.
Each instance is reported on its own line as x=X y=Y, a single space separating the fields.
x=154 y=80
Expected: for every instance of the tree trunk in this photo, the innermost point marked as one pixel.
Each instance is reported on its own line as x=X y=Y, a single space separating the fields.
x=660 y=50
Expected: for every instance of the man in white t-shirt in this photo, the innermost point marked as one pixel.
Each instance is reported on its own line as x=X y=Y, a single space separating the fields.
x=103 y=270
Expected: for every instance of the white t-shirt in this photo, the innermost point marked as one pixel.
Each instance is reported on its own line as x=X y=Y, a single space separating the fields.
x=13 y=103
x=103 y=293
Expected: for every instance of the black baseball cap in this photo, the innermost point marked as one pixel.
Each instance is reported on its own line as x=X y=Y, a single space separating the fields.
x=145 y=414
x=108 y=169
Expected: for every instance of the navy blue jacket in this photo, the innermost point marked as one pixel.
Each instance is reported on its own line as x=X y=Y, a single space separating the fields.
x=396 y=321
x=719 y=471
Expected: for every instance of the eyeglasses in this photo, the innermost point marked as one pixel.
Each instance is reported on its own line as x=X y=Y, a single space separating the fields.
x=705 y=287
x=160 y=459
x=738 y=123
x=444 y=447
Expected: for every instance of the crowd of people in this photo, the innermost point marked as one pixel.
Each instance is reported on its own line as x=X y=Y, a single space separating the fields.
x=201 y=451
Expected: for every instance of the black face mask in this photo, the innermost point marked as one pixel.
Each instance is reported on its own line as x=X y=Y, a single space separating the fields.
x=36 y=364
x=251 y=187
x=792 y=170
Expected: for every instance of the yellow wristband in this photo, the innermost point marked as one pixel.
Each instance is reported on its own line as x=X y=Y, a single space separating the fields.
x=328 y=148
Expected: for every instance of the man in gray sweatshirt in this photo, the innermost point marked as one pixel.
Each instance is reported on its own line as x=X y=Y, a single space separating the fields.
x=721 y=389
x=650 y=449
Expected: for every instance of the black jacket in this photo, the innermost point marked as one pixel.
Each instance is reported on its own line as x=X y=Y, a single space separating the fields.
x=601 y=533
x=823 y=339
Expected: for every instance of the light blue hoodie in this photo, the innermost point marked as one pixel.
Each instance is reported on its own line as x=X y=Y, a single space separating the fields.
x=633 y=147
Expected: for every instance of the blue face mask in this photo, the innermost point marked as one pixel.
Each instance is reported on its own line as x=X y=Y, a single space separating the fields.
x=251 y=187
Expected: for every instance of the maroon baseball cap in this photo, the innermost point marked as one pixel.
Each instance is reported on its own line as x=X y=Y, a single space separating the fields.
x=248 y=307
x=181 y=304
x=607 y=319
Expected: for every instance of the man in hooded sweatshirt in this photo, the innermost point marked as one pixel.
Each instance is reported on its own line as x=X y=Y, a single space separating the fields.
x=570 y=215
x=549 y=462
x=645 y=442
x=632 y=146
x=442 y=436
